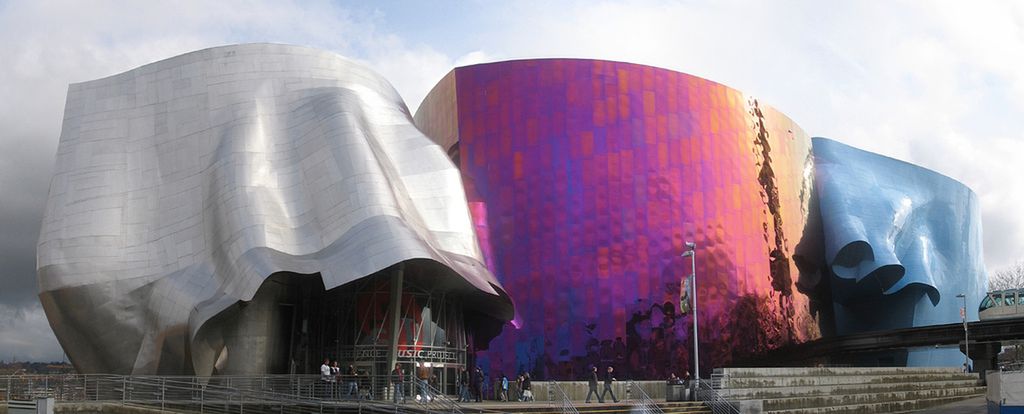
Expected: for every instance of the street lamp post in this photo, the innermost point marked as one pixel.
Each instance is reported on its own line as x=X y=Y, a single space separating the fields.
x=691 y=253
x=967 y=342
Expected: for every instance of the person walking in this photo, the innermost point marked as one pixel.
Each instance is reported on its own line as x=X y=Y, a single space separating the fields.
x=527 y=388
x=325 y=370
x=424 y=393
x=478 y=382
x=593 y=385
x=504 y=388
x=353 y=385
x=325 y=378
x=335 y=380
x=686 y=385
x=463 y=385
x=397 y=379
x=608 y=380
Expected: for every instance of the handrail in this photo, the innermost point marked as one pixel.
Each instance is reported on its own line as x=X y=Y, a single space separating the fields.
x=646 y=404
x=200 y=394
x=436 y=399
x=707 y=393
x=278 y=393
x=567 y=407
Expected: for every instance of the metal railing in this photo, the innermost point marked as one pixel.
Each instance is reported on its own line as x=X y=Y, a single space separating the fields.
x=433 y=400
x=707 y=392
x=555 y=392
x=229 y=394
x=165 y=393
x=643 y=403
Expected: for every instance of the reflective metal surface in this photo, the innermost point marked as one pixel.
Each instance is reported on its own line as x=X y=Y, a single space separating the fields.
x=181 y=185
x=587 y=178
x=900 y=242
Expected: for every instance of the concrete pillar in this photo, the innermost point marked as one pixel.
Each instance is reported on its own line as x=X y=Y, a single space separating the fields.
x=984 y=356
x=396 y=313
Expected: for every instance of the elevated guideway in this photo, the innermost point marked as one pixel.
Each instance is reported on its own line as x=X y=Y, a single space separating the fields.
x=986 y=338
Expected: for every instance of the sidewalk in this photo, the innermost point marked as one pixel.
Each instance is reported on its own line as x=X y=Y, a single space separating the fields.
x=972 y=406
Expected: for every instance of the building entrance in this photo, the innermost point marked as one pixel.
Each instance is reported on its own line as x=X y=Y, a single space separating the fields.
x=395 y=316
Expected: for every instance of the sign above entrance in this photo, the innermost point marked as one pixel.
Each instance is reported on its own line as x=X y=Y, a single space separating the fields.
x=407 y=354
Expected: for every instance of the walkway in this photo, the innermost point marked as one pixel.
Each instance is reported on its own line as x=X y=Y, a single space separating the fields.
x=972 y=406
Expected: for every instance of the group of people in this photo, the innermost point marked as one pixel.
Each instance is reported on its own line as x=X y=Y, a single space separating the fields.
x=472 y=385
x=336 y=382
x=521 y=389
x=684 y=380
x=427 y=389
x=609 y=378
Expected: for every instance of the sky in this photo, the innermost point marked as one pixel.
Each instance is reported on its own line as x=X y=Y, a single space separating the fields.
x=939 y=84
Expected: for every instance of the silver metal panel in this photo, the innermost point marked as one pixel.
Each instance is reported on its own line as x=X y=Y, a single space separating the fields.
x=181 y=185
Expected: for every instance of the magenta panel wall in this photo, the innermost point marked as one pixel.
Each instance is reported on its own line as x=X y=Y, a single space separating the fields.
x=587 y=177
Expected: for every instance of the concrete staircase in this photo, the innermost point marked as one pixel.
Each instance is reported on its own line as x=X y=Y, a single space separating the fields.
x=847 y=390
x=624 y=407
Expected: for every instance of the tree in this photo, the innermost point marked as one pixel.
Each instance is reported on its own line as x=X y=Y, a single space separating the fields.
x=1011 y=277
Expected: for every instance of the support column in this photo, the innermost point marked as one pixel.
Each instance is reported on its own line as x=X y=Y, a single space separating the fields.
x=984 y=356
x=397 y=274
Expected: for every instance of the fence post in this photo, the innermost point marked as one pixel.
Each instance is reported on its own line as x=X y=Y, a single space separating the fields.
x=163 y=392
x=124 y=389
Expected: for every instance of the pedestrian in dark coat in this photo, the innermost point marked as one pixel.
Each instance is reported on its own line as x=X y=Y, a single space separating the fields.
x=608 y=380
x=478 y=381
x=593 y=385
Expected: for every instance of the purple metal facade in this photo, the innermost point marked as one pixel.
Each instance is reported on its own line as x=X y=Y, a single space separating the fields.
x=586 y=178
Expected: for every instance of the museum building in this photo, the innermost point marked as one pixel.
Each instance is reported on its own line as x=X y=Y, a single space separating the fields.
x=256 y=208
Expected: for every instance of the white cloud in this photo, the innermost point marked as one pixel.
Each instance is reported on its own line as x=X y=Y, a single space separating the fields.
x=473 y=58
x=412 y=70
x=938 y=84
x=47 y=45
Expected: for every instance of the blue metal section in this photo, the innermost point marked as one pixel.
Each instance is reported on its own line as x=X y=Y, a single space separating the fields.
x=994 y=408
x=901 y=242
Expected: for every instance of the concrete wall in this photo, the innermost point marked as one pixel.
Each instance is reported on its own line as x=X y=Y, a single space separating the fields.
x=577 y=390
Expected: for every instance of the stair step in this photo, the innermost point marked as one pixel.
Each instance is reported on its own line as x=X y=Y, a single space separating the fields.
x=760 y=393
x=832 y=371
x=868 y=398
x=682 y=407
x=879 y=407
x=811 y=380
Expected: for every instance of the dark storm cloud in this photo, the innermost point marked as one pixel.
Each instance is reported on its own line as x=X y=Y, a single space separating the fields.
x=22 y=210
x=80 y=42
x=937 y=86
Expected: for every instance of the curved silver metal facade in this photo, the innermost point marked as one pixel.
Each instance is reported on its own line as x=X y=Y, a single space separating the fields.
x=180 y=186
